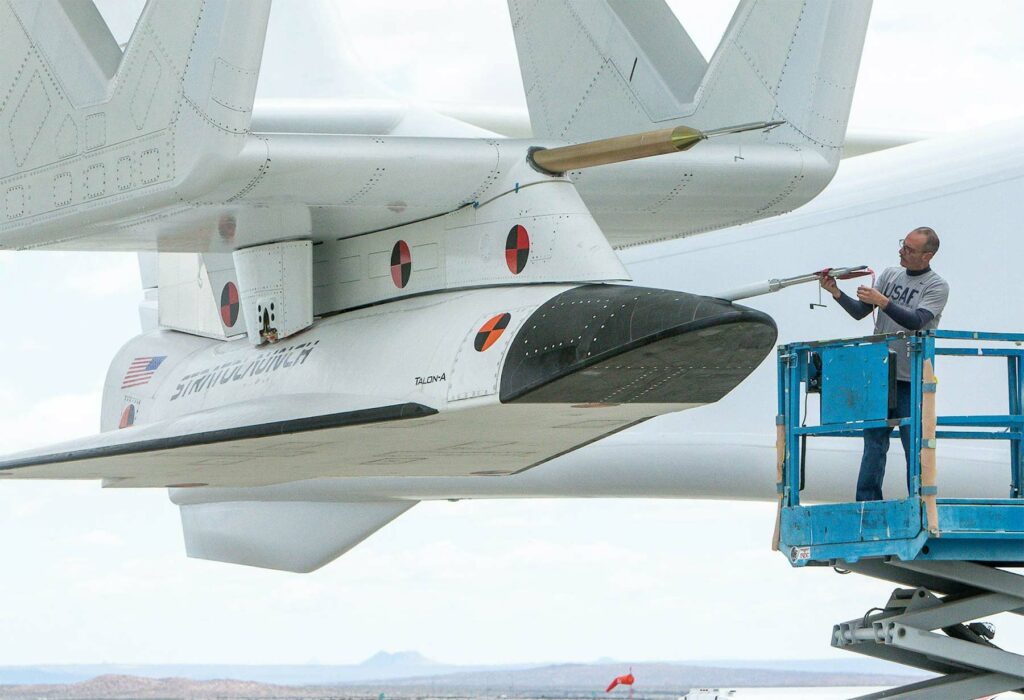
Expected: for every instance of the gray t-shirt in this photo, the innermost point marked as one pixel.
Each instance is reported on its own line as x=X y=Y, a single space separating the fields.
x=926 y=291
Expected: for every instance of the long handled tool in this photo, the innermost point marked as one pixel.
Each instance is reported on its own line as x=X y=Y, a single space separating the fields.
x=774 y=285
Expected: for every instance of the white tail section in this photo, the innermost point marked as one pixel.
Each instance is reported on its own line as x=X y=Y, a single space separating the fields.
x=599 y=68
x=89 y=135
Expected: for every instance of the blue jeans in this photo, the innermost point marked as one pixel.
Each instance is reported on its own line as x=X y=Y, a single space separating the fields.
x=876 y=445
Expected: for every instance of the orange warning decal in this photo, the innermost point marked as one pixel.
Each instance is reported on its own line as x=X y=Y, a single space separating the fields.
x=490 y=332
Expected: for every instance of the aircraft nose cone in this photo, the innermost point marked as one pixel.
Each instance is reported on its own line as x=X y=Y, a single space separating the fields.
x=607 y=343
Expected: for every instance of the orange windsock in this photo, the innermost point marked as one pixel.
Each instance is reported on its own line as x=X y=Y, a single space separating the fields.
x=620 y=680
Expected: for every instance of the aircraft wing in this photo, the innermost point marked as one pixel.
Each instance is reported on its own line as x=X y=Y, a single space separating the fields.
x=309 y=436
x=248 y=437
x=310 y=185
x=319 y=186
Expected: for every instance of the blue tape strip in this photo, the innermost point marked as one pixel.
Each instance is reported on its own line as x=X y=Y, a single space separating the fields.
x=929 y=490
x=929 y=387
x=780 y=420
x=780 y=487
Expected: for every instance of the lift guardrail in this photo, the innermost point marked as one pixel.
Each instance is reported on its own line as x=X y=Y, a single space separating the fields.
x=855 y=378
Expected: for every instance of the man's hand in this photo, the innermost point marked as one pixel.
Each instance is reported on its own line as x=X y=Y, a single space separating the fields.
x=828 y=283
x=870 y=295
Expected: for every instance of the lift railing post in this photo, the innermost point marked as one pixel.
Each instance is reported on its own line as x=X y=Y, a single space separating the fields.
x=792 y=452
x=1014 y=379
x=792 y=470
x=785 y=356
x=914 y=454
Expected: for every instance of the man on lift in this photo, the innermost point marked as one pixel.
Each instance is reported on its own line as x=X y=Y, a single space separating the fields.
x=909 y=298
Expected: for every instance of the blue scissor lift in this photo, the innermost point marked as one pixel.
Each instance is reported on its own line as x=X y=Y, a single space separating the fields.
x=954 y=553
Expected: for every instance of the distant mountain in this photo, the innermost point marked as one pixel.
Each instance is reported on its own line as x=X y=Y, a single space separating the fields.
x=383 y=666
x=386 y=667
x=384 y=659
x=115 y=687
x=560 y=680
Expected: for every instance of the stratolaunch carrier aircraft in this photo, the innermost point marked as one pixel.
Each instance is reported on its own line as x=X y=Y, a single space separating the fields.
x=370 y=307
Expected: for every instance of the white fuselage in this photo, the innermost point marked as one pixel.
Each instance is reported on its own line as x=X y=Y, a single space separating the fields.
x=325 y=402
x=418 y=340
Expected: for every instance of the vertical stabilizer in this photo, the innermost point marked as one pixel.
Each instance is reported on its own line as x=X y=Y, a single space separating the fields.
x=298 y=536
x=599 y=68
x=84 y=130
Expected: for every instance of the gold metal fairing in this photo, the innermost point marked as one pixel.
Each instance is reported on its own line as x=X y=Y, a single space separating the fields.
x=621 y=148
x=617 y=149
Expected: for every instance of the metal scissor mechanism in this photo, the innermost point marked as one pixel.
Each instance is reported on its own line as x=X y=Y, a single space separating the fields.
x=932 y=627
x=952 y=552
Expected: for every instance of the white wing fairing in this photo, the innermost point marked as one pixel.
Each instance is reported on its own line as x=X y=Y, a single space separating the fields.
x=537 y=231
x=197 y=294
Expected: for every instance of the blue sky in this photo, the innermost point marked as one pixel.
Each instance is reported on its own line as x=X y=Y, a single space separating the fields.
x=92 y=575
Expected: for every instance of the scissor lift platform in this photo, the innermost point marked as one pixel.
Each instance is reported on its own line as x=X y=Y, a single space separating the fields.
x=953 y=552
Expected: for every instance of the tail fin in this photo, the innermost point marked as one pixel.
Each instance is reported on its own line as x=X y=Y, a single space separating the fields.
x=299 y=536
x=85 y=129
x=598 y=68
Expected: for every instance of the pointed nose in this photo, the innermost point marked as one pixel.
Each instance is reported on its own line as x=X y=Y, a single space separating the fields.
x=617 y=344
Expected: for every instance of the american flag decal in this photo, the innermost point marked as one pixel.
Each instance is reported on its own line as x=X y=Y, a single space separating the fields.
x=141 y=370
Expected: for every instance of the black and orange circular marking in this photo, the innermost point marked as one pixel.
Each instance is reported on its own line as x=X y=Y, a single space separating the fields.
x=517 y=249
x=229 y=304
x=401 y=264
x=127 y=416
x=490 y=332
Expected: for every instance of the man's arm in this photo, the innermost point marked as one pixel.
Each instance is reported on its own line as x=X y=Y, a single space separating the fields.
x=854 y=307
x=912 y=320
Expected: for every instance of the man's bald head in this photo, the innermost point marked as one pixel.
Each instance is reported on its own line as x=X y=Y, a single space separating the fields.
x=931 y=239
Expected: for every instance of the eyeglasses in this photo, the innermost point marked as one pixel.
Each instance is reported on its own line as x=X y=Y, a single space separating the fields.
x=905 y=248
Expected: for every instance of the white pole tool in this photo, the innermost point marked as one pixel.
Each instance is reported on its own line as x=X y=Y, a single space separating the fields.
x=774 y=285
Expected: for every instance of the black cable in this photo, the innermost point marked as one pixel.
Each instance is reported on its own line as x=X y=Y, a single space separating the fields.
x=864 y=620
